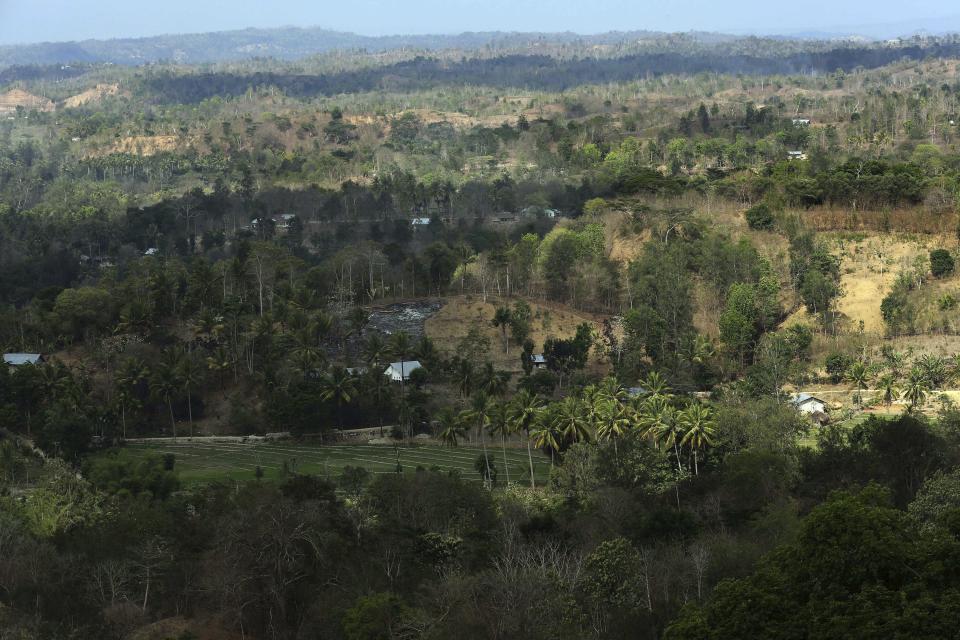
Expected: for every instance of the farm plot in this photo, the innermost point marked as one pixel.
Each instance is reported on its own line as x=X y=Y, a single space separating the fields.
x=223 y=461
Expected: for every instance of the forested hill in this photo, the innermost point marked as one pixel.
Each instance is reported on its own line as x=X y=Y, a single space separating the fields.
x=283 y=44
x=529 y=71
x=680 y=52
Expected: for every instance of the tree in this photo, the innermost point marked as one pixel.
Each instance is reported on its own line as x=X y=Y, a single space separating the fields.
x=339 y=387
x=760 y=217
x=859 y=376
x=916 y=388
x=696 y=422
x=941 y=263
x=451 y=427
x=191 y=377
x=166 y=384
x=887 y=385
x=501 y=424
x=502 y=319
x=525 y=410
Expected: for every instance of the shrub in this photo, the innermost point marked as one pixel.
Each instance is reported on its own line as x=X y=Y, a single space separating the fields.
x=836 y=365
x=760 y=217
x=941 y=263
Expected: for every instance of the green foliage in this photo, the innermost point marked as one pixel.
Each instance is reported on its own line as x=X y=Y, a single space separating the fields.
x=151 y=476
x=760 y=217
x=941 y=263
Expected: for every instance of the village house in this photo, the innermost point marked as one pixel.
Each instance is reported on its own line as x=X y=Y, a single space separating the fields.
x=806 y=403
x=539 y=361
x=796 y=155
x=400 y=371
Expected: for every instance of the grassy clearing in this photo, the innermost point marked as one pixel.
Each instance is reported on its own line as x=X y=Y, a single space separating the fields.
x=213 y=462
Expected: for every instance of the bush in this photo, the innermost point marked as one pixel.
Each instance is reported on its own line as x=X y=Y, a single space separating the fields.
x=836 y=365
x=760 y=217
x=941 y=263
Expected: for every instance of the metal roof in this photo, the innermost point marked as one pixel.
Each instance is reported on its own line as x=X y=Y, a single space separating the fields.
x=17 y=359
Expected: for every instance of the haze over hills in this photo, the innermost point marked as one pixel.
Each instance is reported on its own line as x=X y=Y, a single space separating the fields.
x=292 y=43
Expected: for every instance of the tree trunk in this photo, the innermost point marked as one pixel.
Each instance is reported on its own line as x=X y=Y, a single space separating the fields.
x=533 y=482
x=173 y=423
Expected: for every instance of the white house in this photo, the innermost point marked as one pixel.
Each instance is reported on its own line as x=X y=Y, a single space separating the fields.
x=401 y=370
x=17 y=359
x=806 y=403
x=420 y=222
x=796 y=155
x=801 y=122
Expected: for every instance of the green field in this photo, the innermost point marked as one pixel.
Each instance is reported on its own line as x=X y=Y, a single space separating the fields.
x=219 y=461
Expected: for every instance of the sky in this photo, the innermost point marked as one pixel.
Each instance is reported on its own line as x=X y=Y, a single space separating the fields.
x=23 y=21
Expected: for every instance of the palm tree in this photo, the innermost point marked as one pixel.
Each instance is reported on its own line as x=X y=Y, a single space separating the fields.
x=465 y=374
x=501 y=319
x=450 y=427
x=191 y=377
x=126 y=380
x=916 y=388
x=500 y=424
x=888 y=389
x=655 y=385
x=696 y=422
x=480 y=413
x=340 y=387
x=375 y=350
x=661 y=424
x=166 y=384
x=524 y=410
x=615 y=421
x=545 y=436
x=858 y=374
x=570 y=421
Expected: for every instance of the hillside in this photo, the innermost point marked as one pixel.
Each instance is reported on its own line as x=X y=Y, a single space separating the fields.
x=14 y=98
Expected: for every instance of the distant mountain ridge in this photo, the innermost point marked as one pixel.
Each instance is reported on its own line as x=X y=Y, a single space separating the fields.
x=287 y=43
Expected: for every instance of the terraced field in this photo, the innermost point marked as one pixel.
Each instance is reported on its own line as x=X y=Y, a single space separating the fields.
x=225 y=461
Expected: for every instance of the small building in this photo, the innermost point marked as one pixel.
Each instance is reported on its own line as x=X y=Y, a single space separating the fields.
x=801 y=122
x=420 y=222
x=19 y=359
x=152 y=251
x=538 y=360
x=808 y=404
x=400 y=371
x=796 y=155
x=284 y=221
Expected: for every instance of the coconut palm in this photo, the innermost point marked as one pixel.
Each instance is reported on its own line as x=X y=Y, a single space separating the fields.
x=616 y=419
x=660 y=421
x=570 y=421
x=545 y=436
x=696 y=423
x=126 y=380
x=191 y=377
x=339 y=387
x=450 y=427
x=375 y=350
x=524 y=411
x=858 y=374
x=165 y=384
x=655 y=385
x=916 y=388
x=887 y=385
x=480 y=414
x=500 y=424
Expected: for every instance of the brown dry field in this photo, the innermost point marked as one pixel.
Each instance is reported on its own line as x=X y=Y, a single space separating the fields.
x=460 y=313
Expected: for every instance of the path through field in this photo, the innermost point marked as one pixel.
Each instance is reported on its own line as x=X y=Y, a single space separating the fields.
x=219 y=461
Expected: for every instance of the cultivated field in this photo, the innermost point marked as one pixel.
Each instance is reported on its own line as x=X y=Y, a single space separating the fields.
x=223 y=461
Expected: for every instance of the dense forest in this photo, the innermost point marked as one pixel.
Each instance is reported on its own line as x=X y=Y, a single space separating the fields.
x=652 y=395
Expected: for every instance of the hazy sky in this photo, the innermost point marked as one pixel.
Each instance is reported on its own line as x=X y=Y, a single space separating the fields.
x=57 y=20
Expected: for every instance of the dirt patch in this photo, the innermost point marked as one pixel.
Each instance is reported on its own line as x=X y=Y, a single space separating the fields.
x=96 y=94
x=14 y=98
x=461 y=313
x=144 y=145
x=405 y=316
